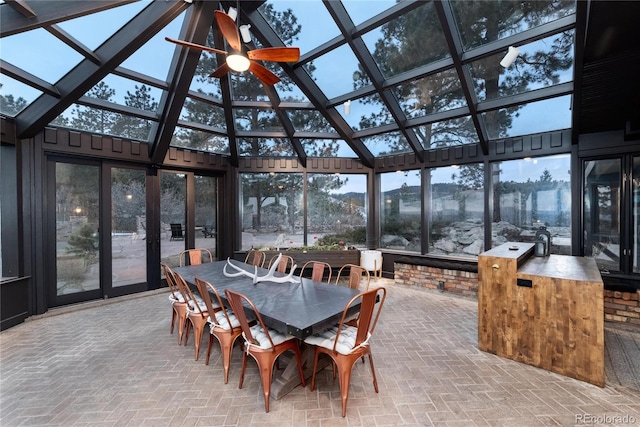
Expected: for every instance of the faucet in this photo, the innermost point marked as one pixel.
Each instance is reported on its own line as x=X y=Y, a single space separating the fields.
x=542 y=235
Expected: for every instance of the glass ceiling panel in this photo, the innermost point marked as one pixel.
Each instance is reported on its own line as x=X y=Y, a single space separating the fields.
x=408 y=42
x=366 y=113
x=534 y=117
x=327 y=148
x=447 y=133
x=92 y=30
x=15 y=96
x=199 y=140
x=206 y=65
x=203 y=113
x=484 y=21
x=387 y=144
x=154 y=57
x=254 y=119
x=278 y=147
x=309 y=121
x=542 y=63
x=431 y=94
x=127 y=92
x=97 y=120
x=334 y=71
x=316 y=24
x=289 y=91
x=52 y=60
x=360 y=11
x=247 y=87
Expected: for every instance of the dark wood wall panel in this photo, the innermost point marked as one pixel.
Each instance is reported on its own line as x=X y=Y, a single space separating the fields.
x=77 y=143
x=187 y=159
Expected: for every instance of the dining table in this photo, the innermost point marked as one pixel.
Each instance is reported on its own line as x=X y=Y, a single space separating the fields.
x=300 y=308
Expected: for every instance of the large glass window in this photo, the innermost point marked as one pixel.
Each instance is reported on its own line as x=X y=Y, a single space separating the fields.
x=173 y=199
x=400 y=210
x=77 y=224
x=336 y=210
x=128 y=227
x=602 y=212
x=529 y=194
x=457 y=210
x=272 y=213
x=206 y=201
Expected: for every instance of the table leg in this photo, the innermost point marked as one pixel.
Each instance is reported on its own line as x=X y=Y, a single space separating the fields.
x=286 y=380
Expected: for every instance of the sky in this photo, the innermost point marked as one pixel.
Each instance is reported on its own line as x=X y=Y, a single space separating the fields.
x=51 y=59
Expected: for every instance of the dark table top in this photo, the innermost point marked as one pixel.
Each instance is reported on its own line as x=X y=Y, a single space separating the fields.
x=299 y=309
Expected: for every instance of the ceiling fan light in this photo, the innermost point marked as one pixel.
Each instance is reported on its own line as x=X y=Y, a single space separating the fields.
x=238 y=62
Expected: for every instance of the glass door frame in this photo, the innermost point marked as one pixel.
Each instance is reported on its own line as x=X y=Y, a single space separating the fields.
x=105 y=288
x=626 y=224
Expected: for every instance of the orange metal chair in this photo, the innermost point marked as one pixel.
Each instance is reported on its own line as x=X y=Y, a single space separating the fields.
x=286 y=263
x=197 y=313
x=178 y=303
x=263 y=344
x=255 y=257
x=318 y=269
x=195 y=256
x=355 y=276
x=224 y=325
x=346 y=344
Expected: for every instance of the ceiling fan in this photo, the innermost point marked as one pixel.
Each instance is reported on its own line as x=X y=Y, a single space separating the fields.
x=240 y=61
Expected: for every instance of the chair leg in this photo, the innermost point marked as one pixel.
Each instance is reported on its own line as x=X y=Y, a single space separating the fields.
x=266 y=372
x=296 y=350
x=244 y=365
x=206 y=360
x=173 y=319
x=198 y=329
x=315 y=368
x=226 y=345
x=373 y=373
x=344 y=373
x=186 y=331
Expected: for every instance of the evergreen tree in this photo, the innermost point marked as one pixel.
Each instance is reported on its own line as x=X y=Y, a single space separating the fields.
x=133 y=127
x=10 y=105
x=93 y=119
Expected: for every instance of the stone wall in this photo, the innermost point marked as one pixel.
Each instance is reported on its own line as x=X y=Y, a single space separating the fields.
x=455 y=281
x=622 y=307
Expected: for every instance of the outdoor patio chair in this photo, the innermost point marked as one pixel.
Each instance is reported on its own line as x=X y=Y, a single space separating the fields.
x=318 y=269
x=223 y=325
x=178 y=303
x=355 y=273
x=176 y=232
x=255 y=257
x=195 y=256
x=263 y=344
x=345 y=344
x=286 y=263
x=197 y=313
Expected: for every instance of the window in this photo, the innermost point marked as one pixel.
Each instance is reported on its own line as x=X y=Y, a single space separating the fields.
x=529 y=194
x=457 y=210
x=400 y=211
x=336 y=209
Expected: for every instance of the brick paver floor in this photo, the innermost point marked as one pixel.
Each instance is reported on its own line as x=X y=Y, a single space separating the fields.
x=114 y=363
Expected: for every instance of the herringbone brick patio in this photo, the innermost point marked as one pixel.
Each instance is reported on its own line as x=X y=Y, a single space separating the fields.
x=115 y=364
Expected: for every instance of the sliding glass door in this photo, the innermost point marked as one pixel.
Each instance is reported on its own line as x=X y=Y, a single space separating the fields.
x=77 y=231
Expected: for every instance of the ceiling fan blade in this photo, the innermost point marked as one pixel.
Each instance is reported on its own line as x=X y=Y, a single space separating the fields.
x=265 y=76
x=229 y=30
x=221 y=71
x=277 y=54
x=194 y=46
